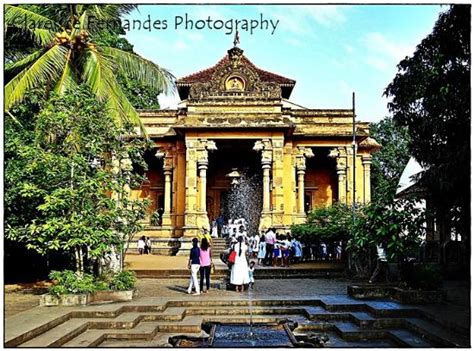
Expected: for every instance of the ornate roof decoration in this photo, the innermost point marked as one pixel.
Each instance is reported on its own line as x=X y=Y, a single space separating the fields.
x=234 y=73
x=370 y=144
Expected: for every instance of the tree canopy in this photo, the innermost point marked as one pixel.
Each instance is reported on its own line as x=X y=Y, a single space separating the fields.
x=430 y=95
x=62 y=46
x=389 y=162
x=66 y=182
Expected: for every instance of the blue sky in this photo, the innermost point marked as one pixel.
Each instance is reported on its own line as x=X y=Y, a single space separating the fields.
x=329 y=50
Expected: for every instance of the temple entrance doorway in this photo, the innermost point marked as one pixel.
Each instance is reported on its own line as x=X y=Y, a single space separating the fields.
x=234 y=186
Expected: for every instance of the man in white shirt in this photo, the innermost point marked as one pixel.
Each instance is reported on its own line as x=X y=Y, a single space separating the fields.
x=270 y=239
x=382 y=265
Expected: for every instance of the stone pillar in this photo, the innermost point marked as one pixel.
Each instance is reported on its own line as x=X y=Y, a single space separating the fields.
x=266 y=165
x=366 y=162
x=202 y=167
x=341 y=167
x=190 y=213
x=203 y=148
x=302 y=154
x=167 y=157
x=167 y=209
x=301 y=173
x=278 y=197
x=341 y=184
x=265 y=147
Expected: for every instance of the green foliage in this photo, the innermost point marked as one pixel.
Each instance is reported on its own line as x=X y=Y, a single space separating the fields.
x=397 y=226
x=389 y=162
x=67 y=174
x=68 y=282
x=124 y=280
x=325 y=223
x=69 y=46
x=141 y=96
x=431 y=98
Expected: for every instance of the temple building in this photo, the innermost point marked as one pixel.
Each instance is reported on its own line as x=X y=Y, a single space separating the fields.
x=234 y=119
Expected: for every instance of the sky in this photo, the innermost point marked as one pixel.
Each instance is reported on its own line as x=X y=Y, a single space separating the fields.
x=330 y=50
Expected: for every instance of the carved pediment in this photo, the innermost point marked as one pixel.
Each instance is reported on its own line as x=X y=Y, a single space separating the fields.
x=234 y=79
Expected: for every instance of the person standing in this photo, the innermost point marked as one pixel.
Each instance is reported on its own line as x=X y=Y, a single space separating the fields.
x=239 y=275
x=251 y=274
x=323 y=251
x=194 y=265
x=255 y=245
x=261 y=250
x=285 y=248
x=220 y=223
x=141 y=245
x=382 y=265
x=148 y=245
x=270 y=239
x=297 y=249
x=214 y=232
x=205 y=234
x=205 y=258
x=339 y=250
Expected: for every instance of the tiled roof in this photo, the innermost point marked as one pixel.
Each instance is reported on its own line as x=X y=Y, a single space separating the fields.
x=206 y=75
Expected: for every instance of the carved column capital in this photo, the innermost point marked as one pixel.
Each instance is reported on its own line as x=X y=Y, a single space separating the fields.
x=203 y=146
x=266 y=148
x=166 y=154
x=366 y=159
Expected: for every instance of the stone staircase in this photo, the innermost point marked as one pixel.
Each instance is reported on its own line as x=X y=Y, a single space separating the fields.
x=346 y=322
x=219 y=245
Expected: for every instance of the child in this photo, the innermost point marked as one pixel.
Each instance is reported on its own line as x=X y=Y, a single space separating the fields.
x=285 y=251
x=277 y=253
x=251 y=278
x=261 y=250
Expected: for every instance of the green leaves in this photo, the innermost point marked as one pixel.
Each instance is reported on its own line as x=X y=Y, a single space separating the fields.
x=430 y=96
x=44 y=70
x=325 y=223
x=66 y=52
x=40 y=27
x=389 y=162
x=65 y=197
x=69 y=282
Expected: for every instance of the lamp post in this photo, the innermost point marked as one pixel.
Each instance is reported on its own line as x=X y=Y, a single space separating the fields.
x=354 y=155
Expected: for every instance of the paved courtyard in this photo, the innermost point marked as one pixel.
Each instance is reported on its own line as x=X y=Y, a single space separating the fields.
x=167 y=300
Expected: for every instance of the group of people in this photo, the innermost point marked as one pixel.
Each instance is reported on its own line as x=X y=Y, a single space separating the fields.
x=272 y=249
x=322 y=251
x=144 y=245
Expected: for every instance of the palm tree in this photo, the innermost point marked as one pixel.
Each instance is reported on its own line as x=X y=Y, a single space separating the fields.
x=62 y=52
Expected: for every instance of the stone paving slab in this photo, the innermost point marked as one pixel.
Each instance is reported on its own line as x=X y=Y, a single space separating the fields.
x=409 y=339
x=58 y=335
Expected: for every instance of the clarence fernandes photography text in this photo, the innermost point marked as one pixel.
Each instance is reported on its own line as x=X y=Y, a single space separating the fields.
x=179 y=22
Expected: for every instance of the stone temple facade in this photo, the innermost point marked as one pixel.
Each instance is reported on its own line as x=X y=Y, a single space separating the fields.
x=235 y=116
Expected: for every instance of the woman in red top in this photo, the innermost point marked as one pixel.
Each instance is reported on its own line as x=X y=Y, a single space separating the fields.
x=206 y=262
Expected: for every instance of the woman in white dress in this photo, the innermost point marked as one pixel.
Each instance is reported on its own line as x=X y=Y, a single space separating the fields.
x=239 y=275
x=214 y=231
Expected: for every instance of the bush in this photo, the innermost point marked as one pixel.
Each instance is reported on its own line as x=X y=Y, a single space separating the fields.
x=68 y=282
x=325 y=223
x=124 y=280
